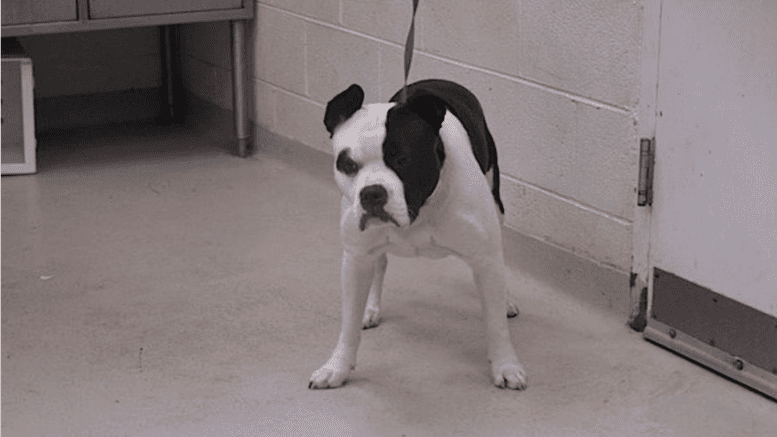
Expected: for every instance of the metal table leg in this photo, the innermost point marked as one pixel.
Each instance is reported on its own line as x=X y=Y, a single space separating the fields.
x=237 y=28
x=170 y=92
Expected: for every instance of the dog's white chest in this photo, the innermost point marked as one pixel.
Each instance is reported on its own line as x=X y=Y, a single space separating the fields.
x=420 y=242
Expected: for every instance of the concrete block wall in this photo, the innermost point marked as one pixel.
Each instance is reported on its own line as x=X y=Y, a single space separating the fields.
x=558 y=81
x=94 y=62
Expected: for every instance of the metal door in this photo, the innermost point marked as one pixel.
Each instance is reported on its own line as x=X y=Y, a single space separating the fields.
x=713 y=225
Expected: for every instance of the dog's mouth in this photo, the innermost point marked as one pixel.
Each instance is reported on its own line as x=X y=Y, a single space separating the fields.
x=379 y=215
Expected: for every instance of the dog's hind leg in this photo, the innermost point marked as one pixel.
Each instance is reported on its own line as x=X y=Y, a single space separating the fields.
x=372 y=312
x=512 y=306
x=506 y=371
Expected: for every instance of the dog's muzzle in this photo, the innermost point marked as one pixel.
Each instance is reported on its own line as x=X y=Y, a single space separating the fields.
x=373 y=199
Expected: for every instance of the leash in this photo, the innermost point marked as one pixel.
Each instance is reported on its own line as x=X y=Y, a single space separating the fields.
x=409 y=43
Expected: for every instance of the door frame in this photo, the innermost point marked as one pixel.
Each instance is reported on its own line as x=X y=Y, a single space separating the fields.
x=640 y=292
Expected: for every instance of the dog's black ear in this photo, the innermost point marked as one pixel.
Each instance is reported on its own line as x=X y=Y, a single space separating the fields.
x=342 y=107
x=430 y=108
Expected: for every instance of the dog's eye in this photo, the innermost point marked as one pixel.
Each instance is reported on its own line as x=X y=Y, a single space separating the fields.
x=346 y=165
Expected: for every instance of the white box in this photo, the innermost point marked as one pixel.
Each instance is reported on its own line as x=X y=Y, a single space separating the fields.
x=18 y=114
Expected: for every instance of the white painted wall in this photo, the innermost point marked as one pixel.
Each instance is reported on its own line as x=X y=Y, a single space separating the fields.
x=558 y=80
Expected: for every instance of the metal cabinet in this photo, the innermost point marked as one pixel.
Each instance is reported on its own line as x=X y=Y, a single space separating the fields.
x=17 y=12
x=119 y=8
x=38 y=17
x=20 y=12
x=35 y=17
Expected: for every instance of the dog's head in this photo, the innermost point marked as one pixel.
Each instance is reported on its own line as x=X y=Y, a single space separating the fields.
x=388 y=155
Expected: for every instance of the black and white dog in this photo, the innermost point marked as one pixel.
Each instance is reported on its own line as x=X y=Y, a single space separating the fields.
x=418 y=178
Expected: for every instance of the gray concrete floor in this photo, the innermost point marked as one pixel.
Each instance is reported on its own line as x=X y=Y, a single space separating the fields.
x=155 y=285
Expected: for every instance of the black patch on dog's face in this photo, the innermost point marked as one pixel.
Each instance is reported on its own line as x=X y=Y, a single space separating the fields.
x=346 y=165
x=414 y=150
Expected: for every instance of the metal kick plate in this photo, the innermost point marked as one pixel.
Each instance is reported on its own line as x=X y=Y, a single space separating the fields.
x=700 y=323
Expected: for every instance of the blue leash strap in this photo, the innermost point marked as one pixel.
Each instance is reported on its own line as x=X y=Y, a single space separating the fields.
x=409 y=50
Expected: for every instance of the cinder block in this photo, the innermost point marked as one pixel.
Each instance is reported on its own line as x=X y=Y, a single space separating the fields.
x=478 y=33
x=279 y=56
x=197 y=77
x=388 y=20
x=70 y=77
x=301 y=119
x=586 y=47
x=130 y=42
x=563 y=223
x=569 y=167
x=265 y=99
x=568 y=147
x=426 y=66
x=550 y=140
x=479 y=82
x=336 y=59
x=208 y=42
x=324 y=10
x=94 y=62
x=222 y=88
x=392 y=70
x=210 y=82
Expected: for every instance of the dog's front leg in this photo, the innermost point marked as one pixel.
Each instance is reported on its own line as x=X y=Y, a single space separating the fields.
x=356 y=276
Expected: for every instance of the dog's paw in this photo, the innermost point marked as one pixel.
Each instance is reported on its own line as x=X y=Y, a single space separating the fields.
x=508 y=373
x=329 y=376
x=371 y=317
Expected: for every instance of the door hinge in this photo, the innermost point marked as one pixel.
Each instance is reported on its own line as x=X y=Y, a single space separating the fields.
x=647 y=159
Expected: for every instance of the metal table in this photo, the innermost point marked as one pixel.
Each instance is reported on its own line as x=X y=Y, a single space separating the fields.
x=39 y=17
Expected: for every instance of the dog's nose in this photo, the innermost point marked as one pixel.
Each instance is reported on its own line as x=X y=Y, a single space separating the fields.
x=373 y=197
